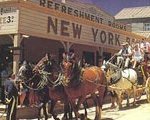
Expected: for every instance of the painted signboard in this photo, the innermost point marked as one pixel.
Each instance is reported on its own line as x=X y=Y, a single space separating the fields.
x=8 y=20
x=85 y=11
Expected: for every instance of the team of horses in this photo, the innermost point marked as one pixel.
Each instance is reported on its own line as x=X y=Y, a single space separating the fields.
x=72 y=84
x=127 y=81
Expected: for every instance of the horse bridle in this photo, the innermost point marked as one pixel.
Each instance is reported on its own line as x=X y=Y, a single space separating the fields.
x=58 y=81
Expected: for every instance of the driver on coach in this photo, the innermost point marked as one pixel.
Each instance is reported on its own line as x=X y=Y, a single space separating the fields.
x=124 y=54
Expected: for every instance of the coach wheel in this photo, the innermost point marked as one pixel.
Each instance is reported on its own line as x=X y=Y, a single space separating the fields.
x=147 y=89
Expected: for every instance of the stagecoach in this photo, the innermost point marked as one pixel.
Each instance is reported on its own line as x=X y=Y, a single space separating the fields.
x=128 y=80
x=93 y=80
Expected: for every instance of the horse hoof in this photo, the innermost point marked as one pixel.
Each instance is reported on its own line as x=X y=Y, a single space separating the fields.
x=96 y=118
x=134 y=104
x=57 y=119
x=49 y=115
x=118 y=108
x=112 y=106
x=64 y=118
x=82 y=116
x=128 y=105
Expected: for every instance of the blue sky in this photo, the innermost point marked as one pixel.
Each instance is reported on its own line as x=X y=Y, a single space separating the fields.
x=114 y=6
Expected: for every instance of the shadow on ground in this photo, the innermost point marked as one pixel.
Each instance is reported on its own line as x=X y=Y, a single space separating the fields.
x=109 y=109
x=142 y=101
x=107 y=119
x=138 y=103
x=101 y=119
x=130 y=107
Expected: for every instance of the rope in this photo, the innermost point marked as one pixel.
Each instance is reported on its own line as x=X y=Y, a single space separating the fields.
x=40 y=85
x=57 y=80
x=111 y=58
x=36 y=89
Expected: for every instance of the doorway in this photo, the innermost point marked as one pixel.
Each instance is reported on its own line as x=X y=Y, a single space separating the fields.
x=88 y=57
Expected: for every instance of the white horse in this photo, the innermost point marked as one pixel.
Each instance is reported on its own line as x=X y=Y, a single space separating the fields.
x=121 y=81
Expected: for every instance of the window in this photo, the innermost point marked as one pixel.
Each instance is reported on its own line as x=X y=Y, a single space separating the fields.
x=147 y=27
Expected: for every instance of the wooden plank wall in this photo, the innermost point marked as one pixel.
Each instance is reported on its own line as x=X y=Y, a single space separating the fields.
x=34 y=21
x=91 y=9
x=85 y=7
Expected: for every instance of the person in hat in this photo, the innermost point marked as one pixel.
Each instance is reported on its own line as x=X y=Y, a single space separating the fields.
x=11 y=95
x=124 y=55
x=138 y=55
x=4 y=76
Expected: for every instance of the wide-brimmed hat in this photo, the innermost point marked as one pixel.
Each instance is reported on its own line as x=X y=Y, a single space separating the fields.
x=124 y=43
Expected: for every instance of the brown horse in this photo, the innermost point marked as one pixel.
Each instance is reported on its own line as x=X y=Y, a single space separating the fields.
x=74 y=90
x=40 y=79
x=88 y=82
x=70 y=91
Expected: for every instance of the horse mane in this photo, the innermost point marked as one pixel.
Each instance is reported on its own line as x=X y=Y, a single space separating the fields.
x=55 y=66
x=39 y=65
x=115 y=78
x=75 y=75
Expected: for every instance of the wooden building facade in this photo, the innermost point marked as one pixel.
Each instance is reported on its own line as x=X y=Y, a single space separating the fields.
x=34 y=28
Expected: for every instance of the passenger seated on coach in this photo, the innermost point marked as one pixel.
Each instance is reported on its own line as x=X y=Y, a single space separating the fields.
x=138 y=55
x=124 y=55
x=145 y=46
x=147 y=56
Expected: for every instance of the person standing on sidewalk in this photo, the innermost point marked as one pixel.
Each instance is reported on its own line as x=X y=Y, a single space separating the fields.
x=4 y=76
x=11 y=97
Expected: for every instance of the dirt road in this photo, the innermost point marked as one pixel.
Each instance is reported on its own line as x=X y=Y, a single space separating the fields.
x=141 y=111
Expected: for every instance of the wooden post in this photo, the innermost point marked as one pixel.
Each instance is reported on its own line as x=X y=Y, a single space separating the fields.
x=100 y=61
x=16 y=53
x=66 y=45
